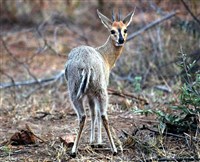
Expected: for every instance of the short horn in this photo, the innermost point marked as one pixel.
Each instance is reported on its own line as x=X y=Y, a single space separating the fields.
x=119 y=14
x=113 y=15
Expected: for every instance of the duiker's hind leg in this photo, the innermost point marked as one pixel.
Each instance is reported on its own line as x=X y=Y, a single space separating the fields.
x=78 y=106
x=103 y=104
x=93 y=119
x=99 y=139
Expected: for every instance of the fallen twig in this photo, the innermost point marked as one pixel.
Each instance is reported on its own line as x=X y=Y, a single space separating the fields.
x=165 y=133
x=28 y=128
x=174 y=159
x=106 y=149
x=17 y=152
x=127 y=94
x=43 y=115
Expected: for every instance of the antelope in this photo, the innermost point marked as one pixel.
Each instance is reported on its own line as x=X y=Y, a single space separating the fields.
x=87 y=73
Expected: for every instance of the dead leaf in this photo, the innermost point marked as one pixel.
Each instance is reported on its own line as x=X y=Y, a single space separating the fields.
x=23 y=137
x=68 y=140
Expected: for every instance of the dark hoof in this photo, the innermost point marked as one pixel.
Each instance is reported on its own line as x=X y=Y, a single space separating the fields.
x=92 y=145
x=99 y=145
x=96 y=145
x=115 y=153
x=73 y=154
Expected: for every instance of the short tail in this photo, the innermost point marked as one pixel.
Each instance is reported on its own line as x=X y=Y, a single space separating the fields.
x=85 y=78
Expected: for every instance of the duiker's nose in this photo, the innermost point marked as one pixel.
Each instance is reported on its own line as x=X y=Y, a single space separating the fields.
x=121 y=40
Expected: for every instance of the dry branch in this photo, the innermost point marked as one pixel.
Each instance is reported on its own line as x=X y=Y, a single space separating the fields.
x=191 y=13
x=61 y=75
x=152 y=24
x=17 y=61
x=46 y=44
x=31 y=82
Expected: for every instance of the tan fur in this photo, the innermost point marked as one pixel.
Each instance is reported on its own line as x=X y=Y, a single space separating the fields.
x=119 y=24
x=110 y=53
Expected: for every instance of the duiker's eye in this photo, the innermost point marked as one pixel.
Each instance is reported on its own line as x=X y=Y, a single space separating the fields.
x=125 y=30
x=112 y=32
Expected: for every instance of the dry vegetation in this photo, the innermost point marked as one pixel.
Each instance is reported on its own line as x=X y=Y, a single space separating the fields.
x=36 y=37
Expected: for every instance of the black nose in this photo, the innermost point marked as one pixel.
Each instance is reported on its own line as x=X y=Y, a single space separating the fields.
x=121 y=40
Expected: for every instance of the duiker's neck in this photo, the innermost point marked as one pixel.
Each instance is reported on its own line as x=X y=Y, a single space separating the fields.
x=110 y=52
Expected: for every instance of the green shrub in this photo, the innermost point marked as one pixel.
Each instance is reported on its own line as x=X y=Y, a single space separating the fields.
x=186 y=114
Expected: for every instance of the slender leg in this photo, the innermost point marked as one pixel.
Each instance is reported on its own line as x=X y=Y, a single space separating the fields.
x=78 y=105
x=99 y=129
x=93 y=120
x=103 y=103
x=107 y=128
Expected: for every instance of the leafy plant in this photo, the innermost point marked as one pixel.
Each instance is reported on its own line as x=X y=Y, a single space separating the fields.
x=5 y=150
x=137 y=83
x=189 y=108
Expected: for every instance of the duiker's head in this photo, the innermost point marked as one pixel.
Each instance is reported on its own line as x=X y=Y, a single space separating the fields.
x=117 y=28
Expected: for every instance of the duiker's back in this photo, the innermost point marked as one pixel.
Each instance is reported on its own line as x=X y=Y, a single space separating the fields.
x=85 y=61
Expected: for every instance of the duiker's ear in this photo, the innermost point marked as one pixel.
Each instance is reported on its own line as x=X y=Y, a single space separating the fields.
x=106 y=21
x=127 y=20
